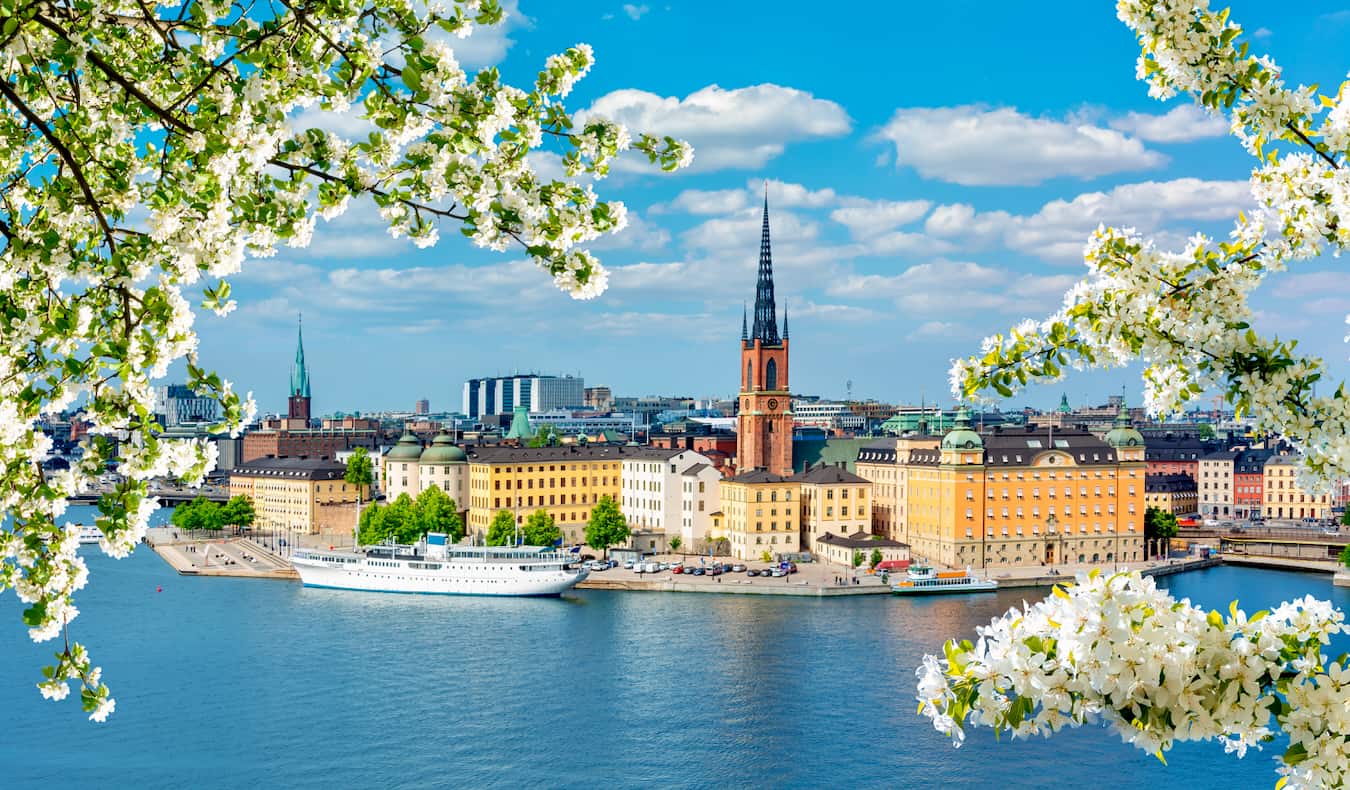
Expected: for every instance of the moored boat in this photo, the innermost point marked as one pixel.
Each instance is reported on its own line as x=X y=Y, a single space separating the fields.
x=923 y=580
x=435 y=568
x=90 y=534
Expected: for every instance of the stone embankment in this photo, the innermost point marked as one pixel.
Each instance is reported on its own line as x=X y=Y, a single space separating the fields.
x=237 y=557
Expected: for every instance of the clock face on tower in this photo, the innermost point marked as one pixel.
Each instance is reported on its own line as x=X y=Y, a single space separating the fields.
x=773 y=403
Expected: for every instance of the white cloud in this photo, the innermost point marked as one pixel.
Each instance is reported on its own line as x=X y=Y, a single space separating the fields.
x=940 y=287
x=1181 y=124
x=833 y=313
x=742 y=230
x=729 y=129
x=487 y=46
x=947 y=330
x=870 y=218
x=1322 y=293
x=974 y=145
x=635 y=12
x=639 y=235
x=1262 y=33
x=703 y=201
x=782 y=194
x=1060 y=229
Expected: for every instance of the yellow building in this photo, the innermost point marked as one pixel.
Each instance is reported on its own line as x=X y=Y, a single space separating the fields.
x=833 y=501
x=1027 y=496
x=887 y=464
x=1281 y=496
x=1172 y=493
x=760 y=514
x=297 y=493
x=565 y=481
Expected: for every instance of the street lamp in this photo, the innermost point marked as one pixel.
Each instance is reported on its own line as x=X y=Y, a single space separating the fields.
x=1050 y=522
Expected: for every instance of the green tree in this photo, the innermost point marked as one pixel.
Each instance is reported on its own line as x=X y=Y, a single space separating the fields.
x=200 y=513
x=436 y=512
x=1206 y=431
x=360 y=473
x=1345 y=556
x=857 y=559
x=675 y=544
x=540 y=529
x=1345 y=517
x=766 y=556
x=1160 y=523
x=238 y=512
x=875 y=558
x=607 y=526
x=400 y=520
x=502 y=530
x=546 y=436
x=372 y=526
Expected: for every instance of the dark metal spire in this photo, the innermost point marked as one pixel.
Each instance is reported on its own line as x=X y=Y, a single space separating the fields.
x=785 y=329
x=766 y=314
x=745 y=326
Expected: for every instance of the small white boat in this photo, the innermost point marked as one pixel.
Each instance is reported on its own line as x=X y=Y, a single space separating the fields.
x=90 y=535
x=923 y=580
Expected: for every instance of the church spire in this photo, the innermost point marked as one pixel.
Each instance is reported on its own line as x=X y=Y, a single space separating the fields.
x=299 y=372
x=745 y=331
x=766 y=314
x=785 y=329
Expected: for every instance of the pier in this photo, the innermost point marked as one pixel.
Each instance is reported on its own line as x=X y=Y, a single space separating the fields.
x=225 y=556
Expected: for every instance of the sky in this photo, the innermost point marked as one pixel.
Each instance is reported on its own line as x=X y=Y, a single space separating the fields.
x=933 y=171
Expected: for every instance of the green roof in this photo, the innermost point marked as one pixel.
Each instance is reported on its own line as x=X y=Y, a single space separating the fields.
x=829 y=451
x=520 y=424
x=409 y=448
x=443 y=451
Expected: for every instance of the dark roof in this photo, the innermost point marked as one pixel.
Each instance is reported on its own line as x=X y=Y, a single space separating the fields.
x=695 y=469
x=503 y=454
x=1251 y=462
x=1017 y=447
x=1170 y=483
x=760 y=476
x=1183 y=449
x=880 y=452
x=829 y=474
x=294 y=467
x=856 y=542
x=646 y=453
x=1222 y=455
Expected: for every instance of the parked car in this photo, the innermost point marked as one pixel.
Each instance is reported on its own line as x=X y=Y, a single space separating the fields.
x=588 y=556
x=698 y=572
x=777 y=572
x=715 y=570
x=677 y=569
x=738 y=568
x=752 y=572
x=629 y=565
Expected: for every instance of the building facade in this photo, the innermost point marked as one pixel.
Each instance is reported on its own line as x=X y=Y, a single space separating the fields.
x=1175 y=493
x=764 y=422
x=1284 y=499
x=834 y=501
x=1027 y=497
x=1249 y=488
x=760 y=514
x=700 y=499
x=302 y=494
x=179 y=405
x=564 y=481
x=1215 y=485
x=652 y=490
x=502 y=394
x=409 y=468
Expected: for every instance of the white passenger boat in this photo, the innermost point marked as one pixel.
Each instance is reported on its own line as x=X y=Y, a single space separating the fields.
x=923 y=580
x=433 y=567
x=90 y=535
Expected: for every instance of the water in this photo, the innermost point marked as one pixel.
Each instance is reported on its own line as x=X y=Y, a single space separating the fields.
x=223 y=683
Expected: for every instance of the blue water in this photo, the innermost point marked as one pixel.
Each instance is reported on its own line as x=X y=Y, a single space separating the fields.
x=226 y=683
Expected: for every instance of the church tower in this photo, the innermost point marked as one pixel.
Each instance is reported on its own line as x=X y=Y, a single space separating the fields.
x=298 y=401
x=764 y=424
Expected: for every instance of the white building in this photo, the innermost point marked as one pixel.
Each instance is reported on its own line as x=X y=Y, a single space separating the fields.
x=1214 y=484
x=699 y=499
x=652 y=490
x=829 y=416
x=408 y=468
x=502 y=394
x=568 y=423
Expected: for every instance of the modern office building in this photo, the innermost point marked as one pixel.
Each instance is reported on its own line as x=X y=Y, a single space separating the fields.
x=179 y=405
x=502 y=394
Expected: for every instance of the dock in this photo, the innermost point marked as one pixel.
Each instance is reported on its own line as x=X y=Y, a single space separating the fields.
x=226 y=556
x=733 y=584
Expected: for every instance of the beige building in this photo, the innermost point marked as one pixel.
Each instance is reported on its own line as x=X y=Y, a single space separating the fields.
x=303 y=494
x=409 y=468
x=760 y=514
x=840 y=550
x=1215 y=486
x=1172 y=493
x=888 y=465
x=833 y=501
x=1282 y=498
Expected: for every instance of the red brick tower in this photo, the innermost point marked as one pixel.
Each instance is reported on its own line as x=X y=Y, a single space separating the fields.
x=764 y=423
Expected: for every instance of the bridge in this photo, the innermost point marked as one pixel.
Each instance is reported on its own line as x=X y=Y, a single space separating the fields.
x=167 y=496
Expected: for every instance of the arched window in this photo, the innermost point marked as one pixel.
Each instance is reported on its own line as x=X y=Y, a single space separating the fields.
x=750 y=374
x=771 y=375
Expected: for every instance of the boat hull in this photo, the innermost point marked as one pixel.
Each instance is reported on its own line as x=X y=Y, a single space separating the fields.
x=946 y=590
x=466 y=579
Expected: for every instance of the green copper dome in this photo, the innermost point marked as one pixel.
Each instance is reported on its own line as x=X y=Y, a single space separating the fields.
x=409 y=448
x=1124 y=434
x=443 y=451
x=961 y=437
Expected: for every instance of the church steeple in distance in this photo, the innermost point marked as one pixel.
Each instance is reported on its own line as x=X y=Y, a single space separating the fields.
x=297 y=402
x=766 y=313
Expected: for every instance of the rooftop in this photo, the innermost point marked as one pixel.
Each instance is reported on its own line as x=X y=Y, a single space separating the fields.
x=861 y=540
x=298 y=467
x=829 y=474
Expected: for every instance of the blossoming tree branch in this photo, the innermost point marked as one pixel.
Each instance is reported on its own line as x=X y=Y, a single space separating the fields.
x=1186 y=313
x=148 y=149
x=1114 y=649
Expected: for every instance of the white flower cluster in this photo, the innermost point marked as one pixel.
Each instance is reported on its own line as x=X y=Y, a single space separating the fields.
x=1116 y=650
x=150 y=150
x=1186 y=314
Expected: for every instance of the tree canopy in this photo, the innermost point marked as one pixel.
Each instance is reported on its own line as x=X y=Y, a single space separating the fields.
x=360 y=471
x=150 y=152
x=200 y=513
x=406 y=520
x=502 y=530
x=540 y=529
x=607 y=526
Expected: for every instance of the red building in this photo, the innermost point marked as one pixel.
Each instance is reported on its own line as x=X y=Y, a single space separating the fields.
x=1248 y=482
x=764 y=419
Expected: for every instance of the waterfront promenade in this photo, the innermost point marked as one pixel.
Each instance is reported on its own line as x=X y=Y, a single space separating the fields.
x=237 y=557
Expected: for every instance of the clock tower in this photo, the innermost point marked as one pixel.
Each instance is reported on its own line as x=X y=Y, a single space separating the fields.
x=764 y=421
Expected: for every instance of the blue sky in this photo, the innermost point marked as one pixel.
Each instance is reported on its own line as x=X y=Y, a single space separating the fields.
x=933 y=172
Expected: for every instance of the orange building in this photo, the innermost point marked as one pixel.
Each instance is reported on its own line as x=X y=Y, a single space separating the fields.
x=1027 y=497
